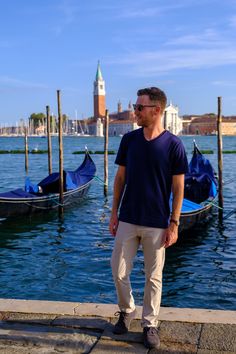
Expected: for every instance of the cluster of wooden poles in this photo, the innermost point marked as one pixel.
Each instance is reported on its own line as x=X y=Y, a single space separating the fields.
x=60 y=140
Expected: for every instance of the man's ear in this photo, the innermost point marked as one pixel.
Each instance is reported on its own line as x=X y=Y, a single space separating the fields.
x=158 y=109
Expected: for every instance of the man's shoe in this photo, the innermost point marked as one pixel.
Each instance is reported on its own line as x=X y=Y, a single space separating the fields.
x=151 y=338
x=124 y=321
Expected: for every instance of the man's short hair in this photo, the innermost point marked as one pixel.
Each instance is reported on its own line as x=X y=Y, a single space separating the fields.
x=154 y=94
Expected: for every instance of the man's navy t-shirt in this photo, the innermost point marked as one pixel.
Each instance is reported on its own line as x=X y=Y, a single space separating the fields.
x=150 y=166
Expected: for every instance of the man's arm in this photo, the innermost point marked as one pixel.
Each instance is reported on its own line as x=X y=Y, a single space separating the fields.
x=178 y=194
x=119 y=184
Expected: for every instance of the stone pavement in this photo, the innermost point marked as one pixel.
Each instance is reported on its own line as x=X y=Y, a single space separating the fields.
x=33 y=327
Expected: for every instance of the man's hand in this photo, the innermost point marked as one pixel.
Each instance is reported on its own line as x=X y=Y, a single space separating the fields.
x=113 y=225
x=171 y=235
x=119 y=184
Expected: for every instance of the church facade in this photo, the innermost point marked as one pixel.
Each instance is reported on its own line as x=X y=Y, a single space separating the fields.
x=171 y=120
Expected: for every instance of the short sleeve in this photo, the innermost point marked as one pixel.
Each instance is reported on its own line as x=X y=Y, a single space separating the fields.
x=179 y=160
x=121 y=157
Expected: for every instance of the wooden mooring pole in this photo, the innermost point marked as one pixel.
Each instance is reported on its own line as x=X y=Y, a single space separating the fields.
x=49 y=141
x=26 y=151
x=220 y=159
x=61 y=180
x=106 y=130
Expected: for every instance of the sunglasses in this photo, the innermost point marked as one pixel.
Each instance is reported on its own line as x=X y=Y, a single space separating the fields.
x=140 y=107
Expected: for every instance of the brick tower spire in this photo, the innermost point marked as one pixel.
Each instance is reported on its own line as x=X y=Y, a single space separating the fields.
x=99 y=94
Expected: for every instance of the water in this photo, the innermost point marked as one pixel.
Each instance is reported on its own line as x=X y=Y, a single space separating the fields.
x=42 y=258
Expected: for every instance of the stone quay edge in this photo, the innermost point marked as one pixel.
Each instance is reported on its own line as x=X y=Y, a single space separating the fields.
x=47 y=327
x=108 y=310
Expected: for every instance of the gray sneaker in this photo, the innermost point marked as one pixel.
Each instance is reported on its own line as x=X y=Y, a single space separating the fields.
x=124 y=321
x=151 y=338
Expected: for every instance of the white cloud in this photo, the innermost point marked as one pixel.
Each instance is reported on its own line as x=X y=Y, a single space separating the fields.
x=209 y=37
x=67 y=14
x=142 y=9
x=9 y=81
x=161 y=62
x=149 y=12
x=209 y=48
x=68 y=10
x=224 y=83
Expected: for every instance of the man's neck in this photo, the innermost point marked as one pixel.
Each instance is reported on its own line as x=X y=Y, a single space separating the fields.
x=151 y=133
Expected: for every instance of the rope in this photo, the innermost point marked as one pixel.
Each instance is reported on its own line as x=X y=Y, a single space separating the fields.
x=229 y=181
x=100 y=180
x=217 y=206
x=229 y=214
x=38 y=207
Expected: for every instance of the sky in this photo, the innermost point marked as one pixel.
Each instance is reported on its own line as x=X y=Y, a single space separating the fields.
x=185 y=47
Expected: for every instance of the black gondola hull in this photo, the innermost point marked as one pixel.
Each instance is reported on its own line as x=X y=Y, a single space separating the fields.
x=17 y=207
x=191 y=219
x=18 y=202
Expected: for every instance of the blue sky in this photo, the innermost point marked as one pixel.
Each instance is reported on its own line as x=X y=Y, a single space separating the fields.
x=186 y=47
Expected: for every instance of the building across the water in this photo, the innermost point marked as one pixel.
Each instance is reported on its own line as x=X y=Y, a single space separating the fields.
x=206 y=124
x=122 y=121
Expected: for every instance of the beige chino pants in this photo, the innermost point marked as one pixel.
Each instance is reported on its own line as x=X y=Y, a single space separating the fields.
x=127 y=241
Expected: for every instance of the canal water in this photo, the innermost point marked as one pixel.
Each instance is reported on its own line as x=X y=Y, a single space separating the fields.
x=43 y=258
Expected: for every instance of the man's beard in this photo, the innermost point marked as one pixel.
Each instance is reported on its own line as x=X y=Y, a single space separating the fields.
x=141 y=123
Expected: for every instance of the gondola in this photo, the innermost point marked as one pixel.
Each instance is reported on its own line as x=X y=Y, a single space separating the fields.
x=200 y=191
x=44 y=196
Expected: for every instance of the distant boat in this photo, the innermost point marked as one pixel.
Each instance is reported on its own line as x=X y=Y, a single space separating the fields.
x=36 y=149
x=200 y=191
x=44 y=196
x=83 y=134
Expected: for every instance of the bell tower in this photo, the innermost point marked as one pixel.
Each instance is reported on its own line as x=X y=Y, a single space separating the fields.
x=99 y=94
x=119 y=107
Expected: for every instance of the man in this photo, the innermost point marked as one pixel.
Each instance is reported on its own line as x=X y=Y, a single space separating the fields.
x=152 y=163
